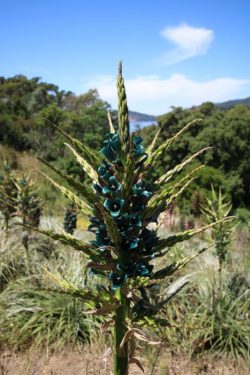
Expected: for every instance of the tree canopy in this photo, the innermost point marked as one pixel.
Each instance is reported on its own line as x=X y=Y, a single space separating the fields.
x=30 y=107
x=228 y=134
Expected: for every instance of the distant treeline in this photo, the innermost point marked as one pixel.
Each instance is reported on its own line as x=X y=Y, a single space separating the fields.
x=227 y=132
x=29 y=107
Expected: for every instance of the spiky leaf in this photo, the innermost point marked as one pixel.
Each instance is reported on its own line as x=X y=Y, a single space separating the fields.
x=170 y=174
x=66 y=239
x=185 y=235
x=84 y=163
x=85 y=208
x=82 y=189
x=157 y=154
x=176 y=266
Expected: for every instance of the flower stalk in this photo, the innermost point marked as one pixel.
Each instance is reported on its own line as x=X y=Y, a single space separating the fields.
x=120 y=203
x=120 y=329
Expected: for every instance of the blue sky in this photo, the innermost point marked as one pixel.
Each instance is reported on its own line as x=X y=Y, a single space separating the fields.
x=177 y=53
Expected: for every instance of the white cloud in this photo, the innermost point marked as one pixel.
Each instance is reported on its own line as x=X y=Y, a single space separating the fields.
x=153 y=95
x=189 y=42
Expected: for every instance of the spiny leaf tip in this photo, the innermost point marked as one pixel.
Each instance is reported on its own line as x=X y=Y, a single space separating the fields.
x=120 y=68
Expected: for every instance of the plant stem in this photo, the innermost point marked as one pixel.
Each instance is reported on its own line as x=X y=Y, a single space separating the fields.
x=25 y=242
x=120 y=329
x=156 y=359
x=5 y=229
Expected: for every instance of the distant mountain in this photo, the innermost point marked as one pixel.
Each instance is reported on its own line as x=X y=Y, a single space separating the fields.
x=233 y=103
x=142 y=119
x=137 y=117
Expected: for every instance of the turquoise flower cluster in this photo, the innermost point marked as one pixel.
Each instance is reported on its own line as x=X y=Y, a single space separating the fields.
x=137 y=242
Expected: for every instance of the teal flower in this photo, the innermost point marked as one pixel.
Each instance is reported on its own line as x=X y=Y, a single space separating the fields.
x=114 y=206
x=109 y=153
x=117 y=280
x=105 y=171
x=112 y=140
x=133 y=244
x=111 y=147
x=140 y=189
x=144 y=270
x=113 y=186
x=138 y=147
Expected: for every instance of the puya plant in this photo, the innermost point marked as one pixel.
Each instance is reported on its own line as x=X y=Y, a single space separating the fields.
x=216 y=209
x=8 y=194
x=28 y=208
x=28 y=203
x=121 y=203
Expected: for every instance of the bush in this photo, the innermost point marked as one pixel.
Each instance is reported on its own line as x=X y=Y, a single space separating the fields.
x=31 y=313
x=224 y=320
x=214 y=319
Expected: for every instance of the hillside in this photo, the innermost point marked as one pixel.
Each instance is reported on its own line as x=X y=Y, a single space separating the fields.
x=144 y=119
x=141 y=117
x=233 y=103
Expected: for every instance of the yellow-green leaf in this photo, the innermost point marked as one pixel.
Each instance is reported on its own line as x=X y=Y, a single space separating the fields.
x=84 y=163
x=84 y=207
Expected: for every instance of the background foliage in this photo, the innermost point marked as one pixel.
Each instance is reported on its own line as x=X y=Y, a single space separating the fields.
x=227 y=131
x=27 y=301
x=28 y=107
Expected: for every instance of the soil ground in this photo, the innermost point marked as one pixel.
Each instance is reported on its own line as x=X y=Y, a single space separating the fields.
x=88 y=361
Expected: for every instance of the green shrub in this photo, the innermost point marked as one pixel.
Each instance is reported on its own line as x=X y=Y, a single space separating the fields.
x=34 y=313
x=222 y=321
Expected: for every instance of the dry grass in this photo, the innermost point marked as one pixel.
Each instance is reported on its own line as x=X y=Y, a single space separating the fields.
x=89 y=361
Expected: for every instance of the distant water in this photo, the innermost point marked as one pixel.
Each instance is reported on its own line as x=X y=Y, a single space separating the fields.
x=141 y=124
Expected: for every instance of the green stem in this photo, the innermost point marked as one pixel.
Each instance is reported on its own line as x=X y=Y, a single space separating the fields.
x=220 y=281
x=25 y=242
x=5 y=229
x=120 y=329
x=28 y=261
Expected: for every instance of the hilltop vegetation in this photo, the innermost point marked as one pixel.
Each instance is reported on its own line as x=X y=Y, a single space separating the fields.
x=29 y=107
x=227 y=132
